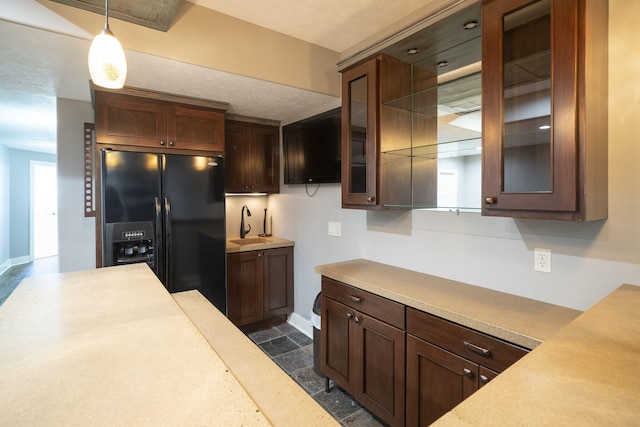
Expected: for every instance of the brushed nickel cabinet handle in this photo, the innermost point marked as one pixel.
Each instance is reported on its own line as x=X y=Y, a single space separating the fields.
x=356 y=319
x=161 y=142
x=491 y=200
x=371 y=199
x=171 y=143
x=349 y=316
x=355 y=298
x=467 y=372
x=484 y=379
x=477 y=349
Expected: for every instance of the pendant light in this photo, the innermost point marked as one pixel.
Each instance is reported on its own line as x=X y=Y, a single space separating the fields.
x=107 y=64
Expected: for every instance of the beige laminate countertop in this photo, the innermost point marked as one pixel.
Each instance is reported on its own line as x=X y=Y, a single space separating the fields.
x=256 y=243
x=519 y=320
x=112 y=347
x=588 y=374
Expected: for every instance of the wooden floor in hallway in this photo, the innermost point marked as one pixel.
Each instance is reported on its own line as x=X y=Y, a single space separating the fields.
x=11 y=278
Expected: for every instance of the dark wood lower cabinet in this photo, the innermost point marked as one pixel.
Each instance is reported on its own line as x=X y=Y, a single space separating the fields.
x=361 y=353
x=437 y=381
x=385 y=355
x=259 y=285
x=446 y=363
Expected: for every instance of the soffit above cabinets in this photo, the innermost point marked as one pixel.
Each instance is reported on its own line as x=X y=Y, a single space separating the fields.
x=156 y=14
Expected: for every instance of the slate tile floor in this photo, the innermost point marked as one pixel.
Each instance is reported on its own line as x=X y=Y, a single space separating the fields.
x=293 y=352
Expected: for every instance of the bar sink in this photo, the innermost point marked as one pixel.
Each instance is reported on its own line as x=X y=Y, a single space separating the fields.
x=248 y=241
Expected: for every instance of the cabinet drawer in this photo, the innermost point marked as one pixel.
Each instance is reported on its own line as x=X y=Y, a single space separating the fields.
x=365 y=302
x=478 y=347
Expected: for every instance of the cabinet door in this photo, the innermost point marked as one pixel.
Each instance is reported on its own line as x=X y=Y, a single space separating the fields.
x=536 y=157
x=244 y=287
x=337 y=334
x=359 y=137
x=264 y=158
x=195 y=129
x=236 y=155
x=128 y=121
x=379 y=350
x=278 y=281
x=252 y=157
x=436 y=381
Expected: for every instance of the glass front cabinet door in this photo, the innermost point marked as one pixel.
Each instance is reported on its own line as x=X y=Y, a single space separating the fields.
x=544 y=92
x=376 y=135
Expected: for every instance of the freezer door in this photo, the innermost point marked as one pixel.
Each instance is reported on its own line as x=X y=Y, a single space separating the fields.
x=193 y=191
x=130 y=183
x=131 y=191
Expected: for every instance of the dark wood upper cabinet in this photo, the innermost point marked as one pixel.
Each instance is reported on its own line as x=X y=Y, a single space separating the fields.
x=376 y=135
x=252 y=157
x=154 y=123
x=544 y=93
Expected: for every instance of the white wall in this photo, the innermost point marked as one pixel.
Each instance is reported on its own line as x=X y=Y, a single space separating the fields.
x=4 y=212
x=76 y=234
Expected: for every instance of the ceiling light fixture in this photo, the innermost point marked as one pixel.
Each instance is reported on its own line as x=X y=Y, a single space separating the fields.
x=470 y=25
x=107 y=64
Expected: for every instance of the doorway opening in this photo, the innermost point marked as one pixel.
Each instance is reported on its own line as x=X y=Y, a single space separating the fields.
x=44 y=210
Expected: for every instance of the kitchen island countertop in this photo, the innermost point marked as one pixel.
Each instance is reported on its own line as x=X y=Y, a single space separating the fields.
x=586 y=375
x=112 y=347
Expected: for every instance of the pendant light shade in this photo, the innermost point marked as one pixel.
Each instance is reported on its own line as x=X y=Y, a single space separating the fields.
x=107 y=64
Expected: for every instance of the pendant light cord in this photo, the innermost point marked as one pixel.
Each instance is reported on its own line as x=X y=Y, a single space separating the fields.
x=106 y=15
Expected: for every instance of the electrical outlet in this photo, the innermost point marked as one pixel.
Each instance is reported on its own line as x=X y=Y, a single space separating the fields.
x=335 y=229
x=542 y=260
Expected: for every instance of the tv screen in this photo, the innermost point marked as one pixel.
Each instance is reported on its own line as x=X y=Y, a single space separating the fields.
x=312 y=149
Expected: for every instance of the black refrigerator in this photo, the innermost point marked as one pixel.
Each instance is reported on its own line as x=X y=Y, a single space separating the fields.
x=167 y=210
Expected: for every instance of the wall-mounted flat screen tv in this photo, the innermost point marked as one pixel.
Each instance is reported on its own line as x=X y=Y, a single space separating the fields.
x=312 y=149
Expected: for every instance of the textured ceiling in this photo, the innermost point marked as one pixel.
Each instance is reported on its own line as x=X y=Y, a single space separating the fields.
x=39 y=63
x=334 y=24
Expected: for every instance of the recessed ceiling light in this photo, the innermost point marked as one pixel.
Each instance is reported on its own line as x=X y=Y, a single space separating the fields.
x=413 y=51
x=470 y=25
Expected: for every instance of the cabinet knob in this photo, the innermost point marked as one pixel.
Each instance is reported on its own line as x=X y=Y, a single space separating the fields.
x=161 y=142
x=171 y=143
x=246 y=187
x=484 y=379
x=371 y=199
x=467 y=372
x=349 y=316
x=491 y=200
x=259 y=254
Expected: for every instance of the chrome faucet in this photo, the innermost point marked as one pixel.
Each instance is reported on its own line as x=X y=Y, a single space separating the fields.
x=244 y=232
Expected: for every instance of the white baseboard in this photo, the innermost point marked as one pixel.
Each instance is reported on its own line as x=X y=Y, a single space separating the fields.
x=14 y=261
x=301 y=324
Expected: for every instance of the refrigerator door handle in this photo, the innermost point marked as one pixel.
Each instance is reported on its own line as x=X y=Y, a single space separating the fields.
x=167 y=244
x=157 y=251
